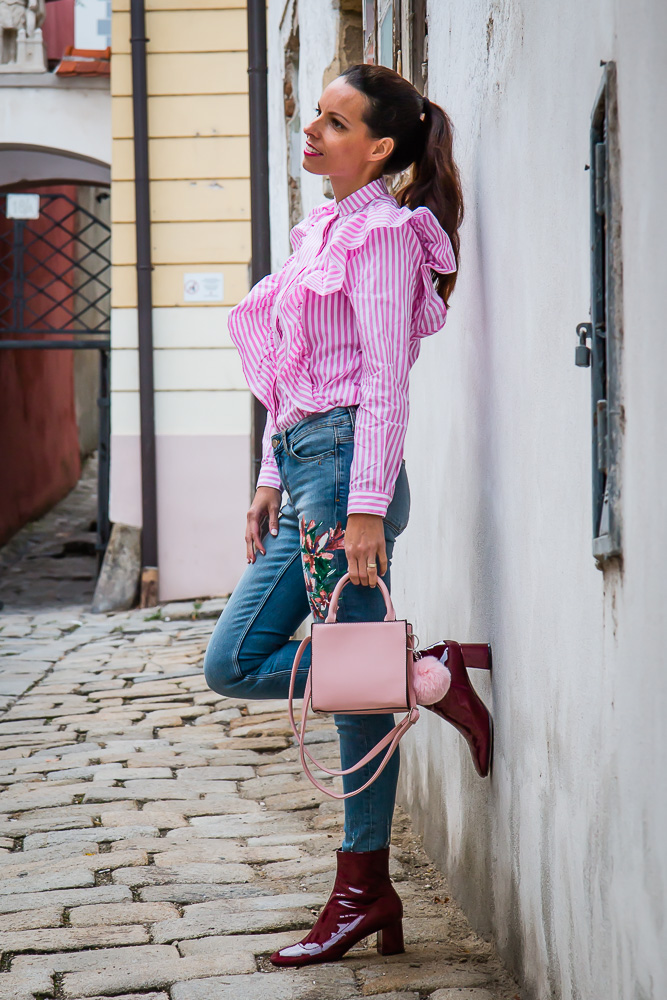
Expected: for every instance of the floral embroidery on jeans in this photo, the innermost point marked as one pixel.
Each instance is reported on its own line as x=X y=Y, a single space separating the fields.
x=318 y=552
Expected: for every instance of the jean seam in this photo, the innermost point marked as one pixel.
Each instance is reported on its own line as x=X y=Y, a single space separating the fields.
x=253 y=618
x=369 y=797
x=398 y=528
x=340 y=511
x=315 y=458
x=365 y=827
x=329 y=423
x=337 y=475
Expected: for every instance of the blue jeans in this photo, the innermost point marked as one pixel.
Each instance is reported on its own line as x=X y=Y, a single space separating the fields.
x=250 y=654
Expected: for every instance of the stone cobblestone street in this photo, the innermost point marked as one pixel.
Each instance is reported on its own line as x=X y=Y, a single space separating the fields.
x=158 y=841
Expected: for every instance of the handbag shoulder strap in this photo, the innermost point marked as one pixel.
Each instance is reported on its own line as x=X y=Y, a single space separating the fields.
x=391 y=740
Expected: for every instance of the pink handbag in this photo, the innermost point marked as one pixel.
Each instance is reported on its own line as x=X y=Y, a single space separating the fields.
x=358 y=668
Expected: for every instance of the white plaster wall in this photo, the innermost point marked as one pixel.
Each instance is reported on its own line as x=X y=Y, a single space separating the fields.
x=562 y=856
x=318 y=37
x=60 y=118
x=318 y=26
x=279 y=20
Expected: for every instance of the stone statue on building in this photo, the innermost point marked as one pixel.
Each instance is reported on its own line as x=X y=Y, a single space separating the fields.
x=22 y=44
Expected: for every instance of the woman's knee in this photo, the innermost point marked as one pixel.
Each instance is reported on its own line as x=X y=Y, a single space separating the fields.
x=220 y=669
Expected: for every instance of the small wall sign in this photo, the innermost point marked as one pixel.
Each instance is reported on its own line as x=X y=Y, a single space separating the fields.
x=23 y=206
x=205 y=286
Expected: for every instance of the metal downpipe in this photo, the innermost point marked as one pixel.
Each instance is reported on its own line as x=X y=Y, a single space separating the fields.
x=149 y=554
x=259 y=188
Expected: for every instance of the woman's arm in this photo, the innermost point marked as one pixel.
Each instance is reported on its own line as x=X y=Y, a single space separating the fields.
x=268 y=495
x=266 y=503
x=268 y=472
x=380 y=283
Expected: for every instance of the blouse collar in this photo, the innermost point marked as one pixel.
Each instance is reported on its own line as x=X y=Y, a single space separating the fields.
x=361 y=197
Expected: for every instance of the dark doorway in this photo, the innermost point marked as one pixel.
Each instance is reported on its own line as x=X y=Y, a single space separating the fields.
x=54 y=332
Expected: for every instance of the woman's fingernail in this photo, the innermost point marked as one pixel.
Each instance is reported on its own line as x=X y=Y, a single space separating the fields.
x=274 y=531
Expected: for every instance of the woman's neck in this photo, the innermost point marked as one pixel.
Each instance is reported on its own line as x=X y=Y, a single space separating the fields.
x=345 y=186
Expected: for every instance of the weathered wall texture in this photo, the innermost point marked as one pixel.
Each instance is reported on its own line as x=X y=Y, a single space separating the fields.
x=309 y=44
x=200 y=207
x=562 y=856
x=302 y=42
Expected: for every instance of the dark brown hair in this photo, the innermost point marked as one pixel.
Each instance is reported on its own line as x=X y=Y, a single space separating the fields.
x=394 y=108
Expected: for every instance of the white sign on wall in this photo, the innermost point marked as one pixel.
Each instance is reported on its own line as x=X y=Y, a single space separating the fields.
x=23 y=206
x=92 y=24
x=205 y=286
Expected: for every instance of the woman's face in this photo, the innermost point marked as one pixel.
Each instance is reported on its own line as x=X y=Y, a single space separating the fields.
x=337 y=140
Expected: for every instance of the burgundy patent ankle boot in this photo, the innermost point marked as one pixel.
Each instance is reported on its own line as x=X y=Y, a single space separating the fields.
x=462 y=706
x=363 y=901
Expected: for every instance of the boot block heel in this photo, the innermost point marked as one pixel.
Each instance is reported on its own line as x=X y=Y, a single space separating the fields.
x=390 y=939
x=476 y=655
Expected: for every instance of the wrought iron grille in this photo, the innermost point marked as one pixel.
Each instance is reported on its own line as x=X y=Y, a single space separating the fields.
x=55 y=294
x=55 y=271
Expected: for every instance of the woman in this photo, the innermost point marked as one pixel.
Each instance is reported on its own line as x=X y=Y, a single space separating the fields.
x=326 y=344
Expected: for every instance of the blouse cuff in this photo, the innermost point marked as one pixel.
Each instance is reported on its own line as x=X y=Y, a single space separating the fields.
x=268 y=476
x=367 y=502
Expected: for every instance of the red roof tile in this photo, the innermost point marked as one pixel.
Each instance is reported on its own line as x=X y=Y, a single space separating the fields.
x=84 y=62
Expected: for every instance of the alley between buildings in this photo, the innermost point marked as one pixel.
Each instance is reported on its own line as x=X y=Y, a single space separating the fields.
x=158 y=841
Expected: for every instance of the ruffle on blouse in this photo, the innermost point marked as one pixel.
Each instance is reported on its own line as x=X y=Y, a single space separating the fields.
x=300 y=231
x=251 y=322
x=257 y=353
x=328 y=272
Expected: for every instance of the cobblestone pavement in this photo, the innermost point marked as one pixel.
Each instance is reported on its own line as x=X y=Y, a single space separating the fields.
x=157 y=842
x=52 y=561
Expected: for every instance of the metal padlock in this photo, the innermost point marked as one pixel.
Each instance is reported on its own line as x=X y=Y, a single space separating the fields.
x=582 y=353
x=582 y=356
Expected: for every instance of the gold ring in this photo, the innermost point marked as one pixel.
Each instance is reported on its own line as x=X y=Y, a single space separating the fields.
x=371 y=565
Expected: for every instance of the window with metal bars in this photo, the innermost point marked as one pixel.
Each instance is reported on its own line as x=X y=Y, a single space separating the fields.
x=605 y=330
x=396 y=35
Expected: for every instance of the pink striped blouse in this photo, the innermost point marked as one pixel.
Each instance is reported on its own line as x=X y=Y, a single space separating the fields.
x=340 y=324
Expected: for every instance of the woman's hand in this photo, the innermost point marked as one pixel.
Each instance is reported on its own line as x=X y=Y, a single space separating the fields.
x=364 y=543
x=266 y=503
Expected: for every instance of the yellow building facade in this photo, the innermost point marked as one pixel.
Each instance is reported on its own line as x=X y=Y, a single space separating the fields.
x=200 y=242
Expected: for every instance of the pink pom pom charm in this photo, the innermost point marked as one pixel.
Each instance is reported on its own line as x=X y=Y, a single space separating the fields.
x=430 y=680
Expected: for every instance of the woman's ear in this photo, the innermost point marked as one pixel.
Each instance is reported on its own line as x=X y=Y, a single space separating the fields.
x=383 y=148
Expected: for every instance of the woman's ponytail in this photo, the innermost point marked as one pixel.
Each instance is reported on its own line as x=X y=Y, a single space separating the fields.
x=422 y=133
x=436 y=183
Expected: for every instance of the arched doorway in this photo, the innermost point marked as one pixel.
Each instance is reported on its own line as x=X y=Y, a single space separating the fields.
x=54 y=330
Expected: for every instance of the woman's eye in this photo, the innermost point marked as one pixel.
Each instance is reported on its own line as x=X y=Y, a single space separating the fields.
x=335 y=122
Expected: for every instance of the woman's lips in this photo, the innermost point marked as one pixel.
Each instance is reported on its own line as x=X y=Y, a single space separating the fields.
x=309 y=151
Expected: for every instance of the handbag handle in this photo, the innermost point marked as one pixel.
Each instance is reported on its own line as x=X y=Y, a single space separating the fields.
x=391 y=740
x=333 y=603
